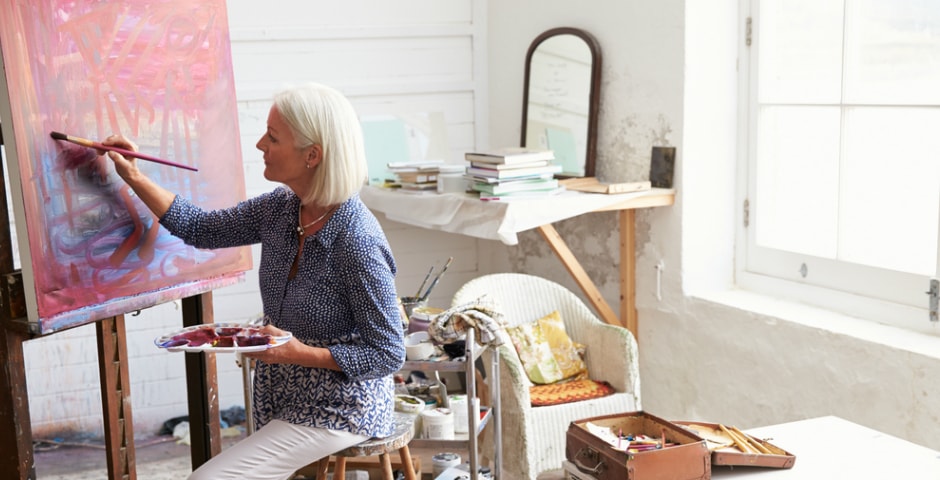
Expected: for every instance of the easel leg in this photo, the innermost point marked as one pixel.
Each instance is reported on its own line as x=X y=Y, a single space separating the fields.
x=202 y=387
x=16 y=439
x=116 y=398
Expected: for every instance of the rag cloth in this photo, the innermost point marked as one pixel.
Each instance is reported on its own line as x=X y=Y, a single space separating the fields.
x=481 y=314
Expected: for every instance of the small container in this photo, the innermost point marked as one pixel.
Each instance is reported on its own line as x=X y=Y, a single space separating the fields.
x=442 y=461
x=437 y=424
x=430 y=403
x=458 y=404
x=408 y=304
x=421 y=318
x=418 y=346
x=408 y=404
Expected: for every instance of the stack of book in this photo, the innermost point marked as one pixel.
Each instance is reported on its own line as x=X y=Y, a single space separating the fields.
x=416 y=177
x=513 y=172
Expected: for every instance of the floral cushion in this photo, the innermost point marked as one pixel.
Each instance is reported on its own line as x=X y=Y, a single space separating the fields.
x=547 y=354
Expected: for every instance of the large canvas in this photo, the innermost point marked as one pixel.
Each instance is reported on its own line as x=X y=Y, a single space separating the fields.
x=159 y=72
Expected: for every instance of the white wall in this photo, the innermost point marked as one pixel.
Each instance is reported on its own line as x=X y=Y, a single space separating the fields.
x=707 y=351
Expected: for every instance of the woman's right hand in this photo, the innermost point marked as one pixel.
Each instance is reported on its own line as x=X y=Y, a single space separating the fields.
x=157 y=198
x=125 y=167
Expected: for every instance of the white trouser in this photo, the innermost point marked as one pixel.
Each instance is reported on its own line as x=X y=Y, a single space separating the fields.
x=275 y=452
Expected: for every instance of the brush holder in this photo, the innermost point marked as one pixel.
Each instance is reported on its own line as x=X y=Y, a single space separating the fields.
x=410 y=303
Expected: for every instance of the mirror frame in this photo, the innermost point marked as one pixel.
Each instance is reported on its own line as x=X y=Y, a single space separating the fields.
x=590 y=153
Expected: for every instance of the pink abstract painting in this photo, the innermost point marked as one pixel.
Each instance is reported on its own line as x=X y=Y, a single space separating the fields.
x=159 y=72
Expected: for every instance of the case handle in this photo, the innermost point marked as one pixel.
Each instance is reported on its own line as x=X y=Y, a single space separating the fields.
x=591 y=455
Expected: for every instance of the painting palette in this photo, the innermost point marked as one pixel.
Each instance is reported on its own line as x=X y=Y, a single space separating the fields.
x=219 y=338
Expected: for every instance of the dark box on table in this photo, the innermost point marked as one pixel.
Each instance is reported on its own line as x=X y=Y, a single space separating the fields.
x=597 y=458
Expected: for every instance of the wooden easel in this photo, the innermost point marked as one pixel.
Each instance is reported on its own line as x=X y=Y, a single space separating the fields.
x=16 y=448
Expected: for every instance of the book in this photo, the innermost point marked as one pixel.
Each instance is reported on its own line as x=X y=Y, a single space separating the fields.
x=510 y=155
x=396 y=167
x=419 y=186
x=416 y=177
x=592 y=185
x=521 y=195
x=482 y=179
x=513 y=172
x=510 y=166
x=502 y=188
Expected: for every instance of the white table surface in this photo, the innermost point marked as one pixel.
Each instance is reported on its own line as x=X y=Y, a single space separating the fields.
x=832 y=448
x=500 y=220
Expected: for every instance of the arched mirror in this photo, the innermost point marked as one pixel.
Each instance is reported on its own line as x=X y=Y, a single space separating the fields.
x=560 y=98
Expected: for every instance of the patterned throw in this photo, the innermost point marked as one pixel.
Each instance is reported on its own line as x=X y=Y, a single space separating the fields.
x=564 y=392
x=480 y=314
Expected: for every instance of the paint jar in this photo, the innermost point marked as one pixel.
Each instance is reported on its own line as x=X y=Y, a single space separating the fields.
x=437 y=424
x=442 y=461
x=408 y=404
x=421 y=318
x=458 y=405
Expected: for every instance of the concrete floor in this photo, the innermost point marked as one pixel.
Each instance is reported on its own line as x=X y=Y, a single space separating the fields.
x=157 y=458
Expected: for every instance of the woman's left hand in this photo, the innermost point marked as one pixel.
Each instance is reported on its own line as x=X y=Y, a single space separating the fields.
x=294 y=352
x=280 y=354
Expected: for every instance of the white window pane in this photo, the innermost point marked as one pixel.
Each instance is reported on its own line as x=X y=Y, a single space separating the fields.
x=800 y=51
x=891 y=188
x=892 y=52
x=797 y=175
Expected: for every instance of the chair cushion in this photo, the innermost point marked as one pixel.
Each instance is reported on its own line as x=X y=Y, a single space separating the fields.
x=547 y=354
x=565 y=392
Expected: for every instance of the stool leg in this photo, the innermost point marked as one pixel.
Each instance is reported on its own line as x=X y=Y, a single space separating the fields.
x=339 y=471
x=405 y=454
x=322 y=465
x=387 y=473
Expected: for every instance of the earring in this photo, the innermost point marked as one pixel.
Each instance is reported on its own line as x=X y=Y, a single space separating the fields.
x=308 y=165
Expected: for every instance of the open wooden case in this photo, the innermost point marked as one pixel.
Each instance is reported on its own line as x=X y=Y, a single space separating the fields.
x=598 y=448
x=732 y=447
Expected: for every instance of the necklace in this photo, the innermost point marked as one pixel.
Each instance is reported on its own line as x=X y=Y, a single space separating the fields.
x=301 y=227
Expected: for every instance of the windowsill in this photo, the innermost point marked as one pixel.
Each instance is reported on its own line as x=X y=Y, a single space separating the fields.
x=775 y=309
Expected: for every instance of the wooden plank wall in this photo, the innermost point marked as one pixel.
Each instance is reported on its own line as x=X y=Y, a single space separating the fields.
x=405 y=58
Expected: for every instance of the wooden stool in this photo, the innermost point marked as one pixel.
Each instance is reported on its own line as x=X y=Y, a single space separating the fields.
x=398 y=440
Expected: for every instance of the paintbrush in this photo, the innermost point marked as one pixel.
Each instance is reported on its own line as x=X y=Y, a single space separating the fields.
x=424 y=282
x=127 y=153
x=438 y=277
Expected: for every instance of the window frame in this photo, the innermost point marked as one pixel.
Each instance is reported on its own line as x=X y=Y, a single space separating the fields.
x=880 y=295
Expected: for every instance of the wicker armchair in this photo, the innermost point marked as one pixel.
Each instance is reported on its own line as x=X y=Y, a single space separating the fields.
x=533 y=438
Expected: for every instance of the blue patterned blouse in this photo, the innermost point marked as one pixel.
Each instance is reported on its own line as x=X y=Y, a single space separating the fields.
x=342 y=298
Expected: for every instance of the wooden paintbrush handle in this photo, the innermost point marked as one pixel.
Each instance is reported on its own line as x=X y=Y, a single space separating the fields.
x=751 y=441
x=738 y=442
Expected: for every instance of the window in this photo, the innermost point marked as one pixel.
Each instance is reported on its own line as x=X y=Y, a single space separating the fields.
x=843 y=154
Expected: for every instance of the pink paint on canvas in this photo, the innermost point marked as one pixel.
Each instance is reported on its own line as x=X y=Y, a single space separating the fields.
x=159 y=72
